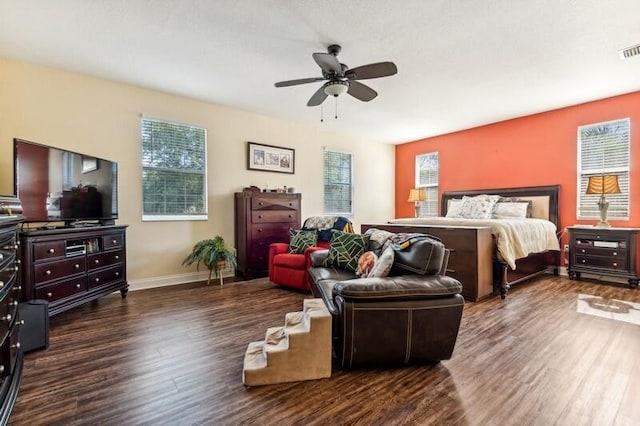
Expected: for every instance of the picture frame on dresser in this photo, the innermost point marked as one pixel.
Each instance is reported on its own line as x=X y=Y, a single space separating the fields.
x=270 y=158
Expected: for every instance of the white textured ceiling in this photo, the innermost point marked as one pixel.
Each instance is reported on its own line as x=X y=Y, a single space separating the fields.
x=461 y=63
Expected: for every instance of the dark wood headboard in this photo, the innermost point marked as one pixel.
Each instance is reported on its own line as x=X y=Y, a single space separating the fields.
x=550 y=194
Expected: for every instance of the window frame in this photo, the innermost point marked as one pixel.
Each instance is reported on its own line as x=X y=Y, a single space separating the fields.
x=624 y=171
x=325 y=183
x=431 y=202
x=176 y=217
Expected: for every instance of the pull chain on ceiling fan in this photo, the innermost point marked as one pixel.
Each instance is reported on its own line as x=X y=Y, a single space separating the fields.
x=340 y=79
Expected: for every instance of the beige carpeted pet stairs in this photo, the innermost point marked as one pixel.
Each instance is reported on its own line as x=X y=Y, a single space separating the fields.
x=301 y=350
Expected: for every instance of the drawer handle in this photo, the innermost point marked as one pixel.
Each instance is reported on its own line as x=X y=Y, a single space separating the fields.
x=117 y=274
x=47 y=272
x=259 y=216
x=290 y=204
x=117 y=257
x=261 y=203
x=16 y=288
x=259 y=229
x=615 y=253
x=584 y=261
x=1 y=256
x=1 y=284
x=14 y=303
x=97 y=280
x=11 y=247
x=1 y=369
x=7 y=318
x=96 y=261
x=78 y=285
x=49 y=295
x=51 y=250
x=114 y=241
x=583 y=251
x=18 y=261
x=77 y=265
x=615 y=264
x=17 y=345
x=290 y=216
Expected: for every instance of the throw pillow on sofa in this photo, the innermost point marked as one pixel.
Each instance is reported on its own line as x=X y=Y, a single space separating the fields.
x=345 y=249
x=383 y=265
x=300 y=240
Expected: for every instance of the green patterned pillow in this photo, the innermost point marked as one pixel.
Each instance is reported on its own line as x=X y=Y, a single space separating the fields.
x=301 y=240
x=345 y=249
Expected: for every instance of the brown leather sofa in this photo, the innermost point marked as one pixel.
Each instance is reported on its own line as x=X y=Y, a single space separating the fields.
x=411 y=316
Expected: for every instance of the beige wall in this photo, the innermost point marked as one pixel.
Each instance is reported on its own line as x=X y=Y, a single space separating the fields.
x=102 y=118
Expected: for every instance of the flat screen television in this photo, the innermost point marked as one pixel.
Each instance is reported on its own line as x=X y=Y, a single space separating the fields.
x=58 y=185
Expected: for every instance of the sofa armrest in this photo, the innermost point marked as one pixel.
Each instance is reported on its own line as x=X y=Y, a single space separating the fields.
x=274 y=249
x=317 y=257
x=401 y=287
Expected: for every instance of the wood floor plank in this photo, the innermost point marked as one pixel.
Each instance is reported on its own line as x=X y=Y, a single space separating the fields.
x=174 y=355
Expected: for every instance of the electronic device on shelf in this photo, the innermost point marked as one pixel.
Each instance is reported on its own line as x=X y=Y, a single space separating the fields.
x=54 y=184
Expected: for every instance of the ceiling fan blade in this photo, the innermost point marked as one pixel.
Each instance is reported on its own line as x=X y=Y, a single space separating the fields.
x=318 y=97
x=379 y=69
x=361 y=91
x=328 y=62
x=298 y=81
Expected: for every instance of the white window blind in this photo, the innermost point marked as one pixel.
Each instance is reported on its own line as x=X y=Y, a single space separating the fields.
x=427 y=177
x=338 y=182
x=174 y=171
x=603 y=149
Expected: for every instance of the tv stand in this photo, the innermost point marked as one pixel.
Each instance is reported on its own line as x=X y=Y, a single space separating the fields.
x=71 y=266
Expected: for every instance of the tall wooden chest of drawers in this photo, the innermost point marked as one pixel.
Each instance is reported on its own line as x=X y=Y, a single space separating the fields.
x=262 y=218
x=603 y=251
x=11 y=355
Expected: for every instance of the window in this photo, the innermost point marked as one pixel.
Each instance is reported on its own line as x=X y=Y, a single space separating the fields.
x=174 y=171
x=603 y=148
x=427 y=177
x=338 y=182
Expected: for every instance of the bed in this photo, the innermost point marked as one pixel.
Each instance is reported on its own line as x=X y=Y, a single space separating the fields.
x=482 y=254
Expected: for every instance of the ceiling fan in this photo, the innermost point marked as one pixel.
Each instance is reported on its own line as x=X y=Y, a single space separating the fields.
x=340 y=79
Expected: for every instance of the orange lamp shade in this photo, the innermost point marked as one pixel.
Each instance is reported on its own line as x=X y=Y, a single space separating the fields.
x=417 y=194
x=603 y=184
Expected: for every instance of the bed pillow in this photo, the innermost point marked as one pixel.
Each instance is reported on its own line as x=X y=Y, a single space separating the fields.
x=300 y=240
x=511 y=210
x=455 y=208
x=478 y=207
x=345 y=249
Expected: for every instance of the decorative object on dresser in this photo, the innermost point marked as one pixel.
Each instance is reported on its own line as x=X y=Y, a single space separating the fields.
x=261 y=219
x=11 y=354
x=71 y=266
x=215 y=254
x=603 y=184
x=603 y=251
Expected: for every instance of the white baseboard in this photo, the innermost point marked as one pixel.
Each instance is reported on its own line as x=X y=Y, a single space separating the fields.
x=168 y=280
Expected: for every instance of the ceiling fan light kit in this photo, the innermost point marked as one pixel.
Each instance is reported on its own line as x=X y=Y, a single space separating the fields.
x=340 y=79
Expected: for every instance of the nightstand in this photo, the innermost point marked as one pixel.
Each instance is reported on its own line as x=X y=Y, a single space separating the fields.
x=603 y=251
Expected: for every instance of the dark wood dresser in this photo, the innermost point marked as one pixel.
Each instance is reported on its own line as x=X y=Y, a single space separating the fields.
x=11 y=355
x=603 y=251
x=262 y=218
x=71 y=266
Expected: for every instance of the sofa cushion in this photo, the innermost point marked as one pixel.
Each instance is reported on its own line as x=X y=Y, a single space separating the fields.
x=345 y=249
x=290 y=260
x=383 y=265
x=300 y=240
x=402 y=287
x=424 y=256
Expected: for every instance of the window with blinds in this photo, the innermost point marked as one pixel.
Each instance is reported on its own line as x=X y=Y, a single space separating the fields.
x=604 y=149
x=174 y=171
x=338 y=182
x=427 y=177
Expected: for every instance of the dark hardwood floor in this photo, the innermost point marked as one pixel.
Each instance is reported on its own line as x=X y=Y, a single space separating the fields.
x=174 y=355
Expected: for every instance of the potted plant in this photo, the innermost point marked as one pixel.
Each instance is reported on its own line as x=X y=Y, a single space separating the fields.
x=214 y=254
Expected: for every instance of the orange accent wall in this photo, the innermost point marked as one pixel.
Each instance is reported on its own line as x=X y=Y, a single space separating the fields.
x=535 y=150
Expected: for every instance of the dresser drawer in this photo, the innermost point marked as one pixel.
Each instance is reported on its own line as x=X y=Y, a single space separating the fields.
x=62 y=289
x=48 y=250
x=53 y=270
x=276 y=233
x=8 y=246
x=99 y=260
x=112 y=241
x=276 y=203
x=602 y=262
x=106 y=276
x=601 y=251
x=274 y=216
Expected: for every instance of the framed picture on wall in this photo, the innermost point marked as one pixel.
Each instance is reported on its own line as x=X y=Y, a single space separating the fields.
x=269 y=158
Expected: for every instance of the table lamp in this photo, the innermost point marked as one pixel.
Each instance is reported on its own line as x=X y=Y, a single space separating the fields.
x=603 y=184
x=416 y=195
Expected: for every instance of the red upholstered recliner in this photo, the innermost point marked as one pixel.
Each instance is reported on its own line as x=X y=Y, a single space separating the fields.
x=291 y=269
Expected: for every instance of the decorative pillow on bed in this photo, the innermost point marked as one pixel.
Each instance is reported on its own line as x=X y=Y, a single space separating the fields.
x=511 y=210
x=300 y=240
x=345 y=249
x=455 y=208
x=478 y=207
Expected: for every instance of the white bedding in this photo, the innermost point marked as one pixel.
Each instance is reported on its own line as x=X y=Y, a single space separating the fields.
x=515 y=238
